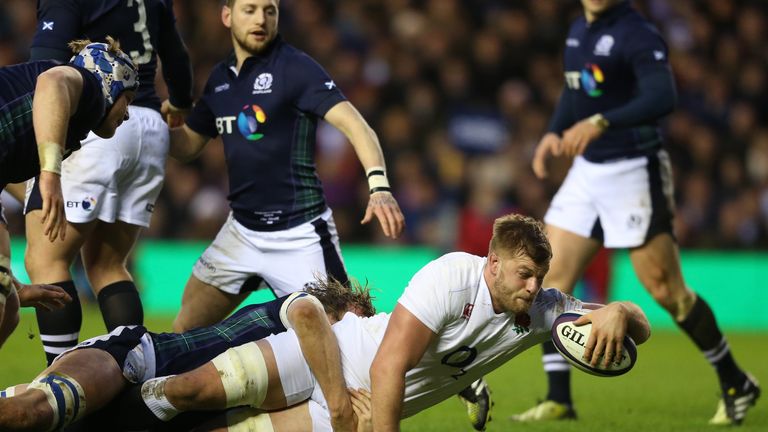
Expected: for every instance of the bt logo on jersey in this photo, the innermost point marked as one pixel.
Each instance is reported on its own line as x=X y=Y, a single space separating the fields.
x=588 y=79
x=248 y=122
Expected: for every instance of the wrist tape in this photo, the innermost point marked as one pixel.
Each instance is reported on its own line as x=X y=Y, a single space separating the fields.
x=51 y=155
x=377 y=180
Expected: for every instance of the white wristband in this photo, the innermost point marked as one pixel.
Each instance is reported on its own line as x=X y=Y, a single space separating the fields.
x=377 y=180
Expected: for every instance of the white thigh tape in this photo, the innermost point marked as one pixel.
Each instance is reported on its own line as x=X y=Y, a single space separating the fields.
x=243 y=373
x=248 y=420
x=65 y=396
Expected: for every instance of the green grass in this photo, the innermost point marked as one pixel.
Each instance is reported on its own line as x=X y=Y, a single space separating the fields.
x=671 y=388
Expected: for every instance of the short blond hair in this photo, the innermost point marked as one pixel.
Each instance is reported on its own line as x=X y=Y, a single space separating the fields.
x=518 y=235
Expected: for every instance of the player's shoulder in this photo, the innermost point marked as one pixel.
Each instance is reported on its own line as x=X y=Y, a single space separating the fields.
x=458 y=262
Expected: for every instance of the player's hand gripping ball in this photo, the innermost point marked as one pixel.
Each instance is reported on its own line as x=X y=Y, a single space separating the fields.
x=570 y=340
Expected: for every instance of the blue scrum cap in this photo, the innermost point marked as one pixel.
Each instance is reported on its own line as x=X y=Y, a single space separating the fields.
x=112 y=68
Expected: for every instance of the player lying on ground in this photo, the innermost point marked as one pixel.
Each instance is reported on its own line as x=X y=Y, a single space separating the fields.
x=89 y=376
x=460 y=317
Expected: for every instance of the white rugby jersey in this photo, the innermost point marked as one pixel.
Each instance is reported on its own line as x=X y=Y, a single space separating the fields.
x=450 y=296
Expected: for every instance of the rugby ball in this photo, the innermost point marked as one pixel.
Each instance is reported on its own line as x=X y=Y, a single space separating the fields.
x=570 y=340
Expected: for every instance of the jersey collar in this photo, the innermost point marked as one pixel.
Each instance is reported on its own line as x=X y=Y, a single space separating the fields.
x=255 y=59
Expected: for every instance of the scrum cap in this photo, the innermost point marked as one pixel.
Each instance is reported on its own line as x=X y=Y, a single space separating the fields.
x=113 y=69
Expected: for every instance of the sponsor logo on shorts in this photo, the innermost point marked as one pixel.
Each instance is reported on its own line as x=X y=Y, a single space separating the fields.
x=88 y=204
x=150 y=207
x=634 y=221
x=207 y=264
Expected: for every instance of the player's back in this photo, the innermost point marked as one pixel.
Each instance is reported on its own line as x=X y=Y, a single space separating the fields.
x=144 y=28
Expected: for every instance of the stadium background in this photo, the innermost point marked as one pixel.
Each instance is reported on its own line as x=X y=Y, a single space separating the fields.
x=459 y=92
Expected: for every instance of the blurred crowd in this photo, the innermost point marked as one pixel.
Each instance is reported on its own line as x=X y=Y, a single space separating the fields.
x=460 y=91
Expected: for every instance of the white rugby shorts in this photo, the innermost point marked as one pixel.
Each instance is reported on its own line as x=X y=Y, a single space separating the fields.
x=286 y=260
x=117 y=178
x=623 y=203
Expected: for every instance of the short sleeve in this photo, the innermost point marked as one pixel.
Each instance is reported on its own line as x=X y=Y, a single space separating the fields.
x=426 y=298
x=315 y=91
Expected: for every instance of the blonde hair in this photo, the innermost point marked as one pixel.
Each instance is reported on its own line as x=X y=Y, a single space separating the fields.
x=338 y=298
x=77 y=45
x=518 y=235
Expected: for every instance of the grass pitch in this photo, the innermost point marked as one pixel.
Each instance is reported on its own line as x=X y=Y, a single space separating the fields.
x=671 y=388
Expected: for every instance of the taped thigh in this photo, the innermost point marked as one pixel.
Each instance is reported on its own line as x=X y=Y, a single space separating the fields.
x=65 y=396
x=243 y=373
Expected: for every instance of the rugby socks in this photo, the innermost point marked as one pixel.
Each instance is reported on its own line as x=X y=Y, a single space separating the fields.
x=558 y=373
x=60 y=329
x=700 y=325
x=120 y=305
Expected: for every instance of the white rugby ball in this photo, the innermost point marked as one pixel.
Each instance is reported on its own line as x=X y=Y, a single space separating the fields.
x=570 y=340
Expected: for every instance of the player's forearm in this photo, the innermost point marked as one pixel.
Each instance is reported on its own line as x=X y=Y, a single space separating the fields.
x=183 y=145
x=321 y=351
x=387 y=392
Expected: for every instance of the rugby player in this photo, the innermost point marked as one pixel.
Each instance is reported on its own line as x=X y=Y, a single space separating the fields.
x=460 y=317
x=46 y=109
x=111 y=185
x=86 y=378
x=619 y=193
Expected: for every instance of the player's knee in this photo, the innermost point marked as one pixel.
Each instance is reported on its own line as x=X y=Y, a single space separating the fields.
x=243 y=373
x=64 y=398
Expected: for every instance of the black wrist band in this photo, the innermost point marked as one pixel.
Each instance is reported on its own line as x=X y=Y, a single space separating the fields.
x=380 y=189
x=376 y=172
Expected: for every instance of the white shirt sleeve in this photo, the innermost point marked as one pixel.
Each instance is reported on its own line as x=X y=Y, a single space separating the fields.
x=425 y=296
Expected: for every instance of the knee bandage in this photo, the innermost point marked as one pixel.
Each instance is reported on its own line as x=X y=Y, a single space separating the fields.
x=65 y=396
x=248 y=420
x=243 y=373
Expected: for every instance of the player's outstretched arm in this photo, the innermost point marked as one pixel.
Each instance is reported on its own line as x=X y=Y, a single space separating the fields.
x=404 y=343
x=321 y=351
x=345 y=117
x=57 y=94
x=610 y=323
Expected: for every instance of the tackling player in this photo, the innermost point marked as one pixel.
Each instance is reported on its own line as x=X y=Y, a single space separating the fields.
x=111 y=186
x=86 y=378
x=46 y=108
x=618 y=191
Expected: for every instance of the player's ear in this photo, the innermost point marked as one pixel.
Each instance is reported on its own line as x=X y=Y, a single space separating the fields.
x=493 y=263
x=226 y=16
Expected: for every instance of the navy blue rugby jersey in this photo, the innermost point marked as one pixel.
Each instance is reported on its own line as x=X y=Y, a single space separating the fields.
x=18 y=147
x=144 y=28
x=267 y=116
x=180 y=352
x=608 y=64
